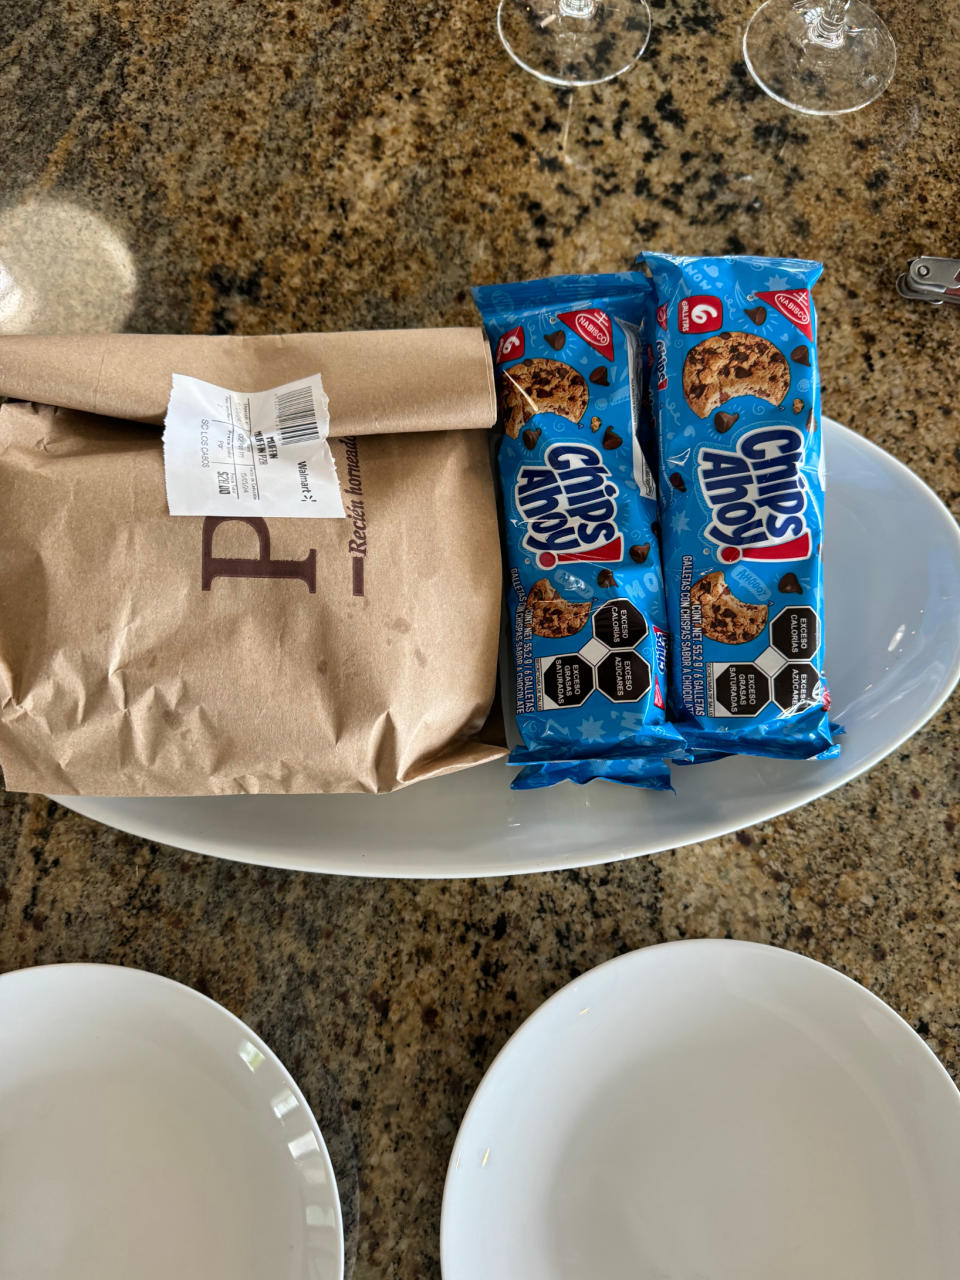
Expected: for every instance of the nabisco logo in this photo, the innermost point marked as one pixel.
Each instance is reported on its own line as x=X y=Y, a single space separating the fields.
x=594 y=327
x=757 y=496
x=569 y=507
x=794 y=305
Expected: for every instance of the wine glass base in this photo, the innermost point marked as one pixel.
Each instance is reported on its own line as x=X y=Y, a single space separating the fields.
x=574 y=42
x=820 y=79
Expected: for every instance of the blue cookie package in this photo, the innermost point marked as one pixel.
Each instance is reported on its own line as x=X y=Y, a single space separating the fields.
x=584 y=584
x=737 y=411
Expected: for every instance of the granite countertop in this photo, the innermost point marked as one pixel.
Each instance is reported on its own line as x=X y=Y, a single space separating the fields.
x=291 y=165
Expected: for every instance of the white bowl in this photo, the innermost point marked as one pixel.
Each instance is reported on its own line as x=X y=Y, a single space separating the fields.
x=146 y=1132
x=708 y=1110
x=892 y=566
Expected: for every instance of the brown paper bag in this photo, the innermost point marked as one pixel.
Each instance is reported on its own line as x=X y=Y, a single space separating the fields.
x=146 y=654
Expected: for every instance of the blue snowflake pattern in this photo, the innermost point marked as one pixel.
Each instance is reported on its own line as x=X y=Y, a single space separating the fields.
x=591 y=730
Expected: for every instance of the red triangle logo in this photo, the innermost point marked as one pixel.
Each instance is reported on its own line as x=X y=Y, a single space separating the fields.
x=593 y=326
x=795 y=305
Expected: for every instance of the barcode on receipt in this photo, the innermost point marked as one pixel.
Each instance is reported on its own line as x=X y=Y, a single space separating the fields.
x=249 y=453
x=296 y=417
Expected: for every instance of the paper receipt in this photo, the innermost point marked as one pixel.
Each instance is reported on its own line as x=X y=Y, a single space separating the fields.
x=238 y=453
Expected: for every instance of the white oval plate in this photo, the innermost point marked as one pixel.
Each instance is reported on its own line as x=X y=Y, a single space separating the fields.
x=146 y=1132
x=708 y=1110
x=892 y=567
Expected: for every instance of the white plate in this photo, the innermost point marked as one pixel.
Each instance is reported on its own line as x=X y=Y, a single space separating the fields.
x=708 y=1111
x=892 y=564
x=146 y=1132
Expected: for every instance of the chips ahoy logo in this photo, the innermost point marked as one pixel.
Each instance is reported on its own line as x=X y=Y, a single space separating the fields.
x=660 y=648
x=661 y=375
x=757 y=496
x=660 y=657
x=569 y=507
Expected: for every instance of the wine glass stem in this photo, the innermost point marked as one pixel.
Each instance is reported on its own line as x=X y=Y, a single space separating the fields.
x=827 y=23
x=577 y=8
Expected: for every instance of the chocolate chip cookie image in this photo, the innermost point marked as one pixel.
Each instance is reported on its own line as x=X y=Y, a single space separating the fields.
x=551 y=616
x=541 y=386
x=734 y=364
x=723 y=616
